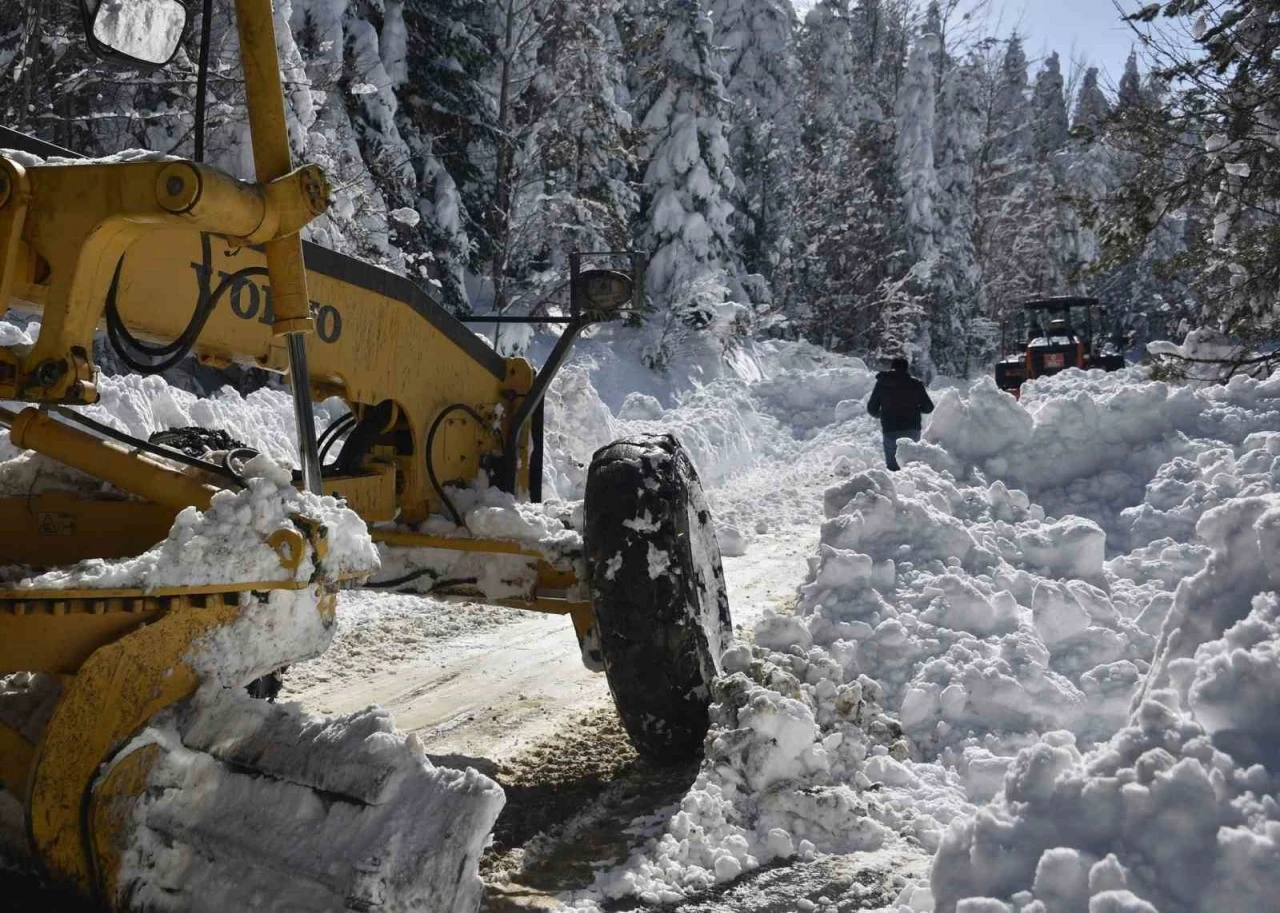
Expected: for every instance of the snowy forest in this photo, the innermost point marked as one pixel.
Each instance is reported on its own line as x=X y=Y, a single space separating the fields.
x=878 y=177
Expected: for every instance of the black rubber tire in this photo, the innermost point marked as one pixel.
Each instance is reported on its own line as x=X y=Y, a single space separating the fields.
x=663 y=622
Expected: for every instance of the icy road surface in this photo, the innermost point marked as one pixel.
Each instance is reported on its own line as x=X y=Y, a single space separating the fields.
x=483 y=682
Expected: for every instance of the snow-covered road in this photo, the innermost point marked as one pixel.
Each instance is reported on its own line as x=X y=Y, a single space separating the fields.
x=485 y=683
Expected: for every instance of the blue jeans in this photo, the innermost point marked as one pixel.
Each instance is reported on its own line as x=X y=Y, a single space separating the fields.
x=891 y=446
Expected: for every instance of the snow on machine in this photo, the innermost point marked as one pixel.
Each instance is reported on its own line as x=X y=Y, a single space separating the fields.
x=1060 y=333
x=146 y=585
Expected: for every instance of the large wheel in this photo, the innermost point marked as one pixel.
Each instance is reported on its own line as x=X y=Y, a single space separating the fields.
x=658 y=590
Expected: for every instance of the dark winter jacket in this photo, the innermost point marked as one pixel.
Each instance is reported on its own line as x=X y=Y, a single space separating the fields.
x=898 y=400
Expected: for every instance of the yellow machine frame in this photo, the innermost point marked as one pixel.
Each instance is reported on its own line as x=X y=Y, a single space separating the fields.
x=156 y=234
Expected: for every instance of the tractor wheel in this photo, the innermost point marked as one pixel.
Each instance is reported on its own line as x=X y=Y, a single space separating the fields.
x=658 y=591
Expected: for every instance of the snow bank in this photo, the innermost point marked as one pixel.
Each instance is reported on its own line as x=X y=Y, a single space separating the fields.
x=717 y=423
x=976 y=614
x=784 y=766
x=976 y=621
x=1178 y=810
x=779 y=422
x=340 y=813
x=1132 y=454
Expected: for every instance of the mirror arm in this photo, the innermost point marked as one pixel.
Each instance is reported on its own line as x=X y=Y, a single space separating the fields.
x=532 y=400
x=202 y=78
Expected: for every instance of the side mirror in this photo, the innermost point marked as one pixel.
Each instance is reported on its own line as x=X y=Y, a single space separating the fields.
x=605 y=293
x=147 y=33
x=602 y=293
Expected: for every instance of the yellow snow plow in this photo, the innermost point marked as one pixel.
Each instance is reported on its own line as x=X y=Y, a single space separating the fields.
x=146 y=583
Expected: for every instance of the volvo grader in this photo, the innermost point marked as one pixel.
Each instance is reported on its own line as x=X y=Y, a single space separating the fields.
x=113 y=671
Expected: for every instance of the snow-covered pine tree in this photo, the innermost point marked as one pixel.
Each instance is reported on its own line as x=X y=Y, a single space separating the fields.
x=1092 y=106
x=585 y=147
x=905 y=325
x=964 y=339
x=1130 y=92
x=687 y=187
x=1015 y=214
x=755 y=39
x=518 y=27
x=343 y=107
x=445 y=117
x=570 y=153
x=825 y=52
x=1148 y=283
x=1052 y=135
x=1207 y=152
x=1013 y=142
x=916 y=113
x=845 y=252
x=1049 y=103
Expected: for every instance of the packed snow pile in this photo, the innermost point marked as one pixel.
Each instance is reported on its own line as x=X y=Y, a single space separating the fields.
x=248 y=800
x=1178 y=810
x=717 y=423
x=785 y=766
x=1000 y=602
x=1134 y=455
x=974 y=612
x=765 y=435
x=229 y=543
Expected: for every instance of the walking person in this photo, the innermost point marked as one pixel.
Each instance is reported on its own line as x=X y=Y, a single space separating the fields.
x=898 y=400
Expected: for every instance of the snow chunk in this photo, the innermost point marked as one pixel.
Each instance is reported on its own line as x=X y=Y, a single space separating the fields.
x=406 y=215
x=228 y=543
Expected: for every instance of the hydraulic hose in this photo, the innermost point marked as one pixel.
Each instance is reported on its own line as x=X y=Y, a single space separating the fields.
x=431 y=471
x=167 y=453
x=332 y=434
x=177 y=349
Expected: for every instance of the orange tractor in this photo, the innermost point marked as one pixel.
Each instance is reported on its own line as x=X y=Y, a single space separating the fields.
x=1060 y=333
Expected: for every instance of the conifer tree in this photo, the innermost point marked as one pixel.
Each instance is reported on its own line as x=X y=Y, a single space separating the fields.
x=963 y=338
x=1092 y=107
x=1050 y=127
x=445 y=116
x=1130 y=93
x=905 y=322
x=570 y=140
x=687 y=187
x=759 y=67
